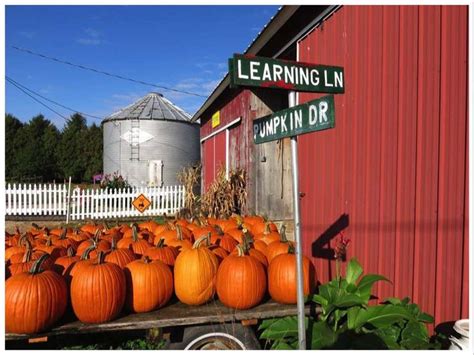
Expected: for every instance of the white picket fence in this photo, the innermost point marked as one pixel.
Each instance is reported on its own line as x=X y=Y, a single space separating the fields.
x=36 y=199
x=52 y=199
x=107 y=203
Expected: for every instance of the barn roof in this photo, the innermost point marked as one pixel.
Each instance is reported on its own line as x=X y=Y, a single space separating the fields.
x=153 y=106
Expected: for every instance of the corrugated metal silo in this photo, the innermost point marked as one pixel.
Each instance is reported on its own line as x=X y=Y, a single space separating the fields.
x=150 y=141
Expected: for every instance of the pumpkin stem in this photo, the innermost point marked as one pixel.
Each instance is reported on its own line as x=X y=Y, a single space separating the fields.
x=218 y=229
x=291 y=248
x=70 y=251
x=241 y=249
x=198 y=242
x=49 y=241
x=146 y=259
x=22 y=239
x=134 y=232
x=267 y=228
x=179 y=232
x=27 y=255
x=161 y=243
x=283 y=238
x=86 y=253
x=96 y=235
x=36 y=268
x=63 y=234
x=113 y=246
x=100 y=257
x=35 y=226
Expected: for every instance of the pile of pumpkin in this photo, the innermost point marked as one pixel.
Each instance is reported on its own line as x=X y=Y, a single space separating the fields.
x=97 y=271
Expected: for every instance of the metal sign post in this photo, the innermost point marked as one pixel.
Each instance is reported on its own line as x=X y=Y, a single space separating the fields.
x=298 y=249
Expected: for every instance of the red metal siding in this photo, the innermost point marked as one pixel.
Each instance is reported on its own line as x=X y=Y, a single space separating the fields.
x=396 y=163
x=241 y=144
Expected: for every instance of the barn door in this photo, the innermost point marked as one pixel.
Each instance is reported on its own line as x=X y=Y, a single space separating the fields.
x=213 y=157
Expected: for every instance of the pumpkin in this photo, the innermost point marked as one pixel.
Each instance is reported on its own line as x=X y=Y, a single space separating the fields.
x=178 y=241
x=220 y=253
x=237 y=234
x=227 y=243
x=247 y=244
x=18 y=256
x=34 y=300
x=119 y=256
x=99 y=244
x=282 y=277
x=148 y=225
x=262 y=227
x=78 y=235
x=268 y=236
x=27 y=261
x=278 y=247
x=149 y=285
x=62 y=263
x=63 y=241
x=161 y=228
x=253 y=220
x=195 y=274
x=92 y=228
x=53 y=250
x=20 y=248
x=138 y=245
x=84 y=260
x=98 y=291
x=241 y=280
x=165 y=253
x=261 y=246
x=140 y=234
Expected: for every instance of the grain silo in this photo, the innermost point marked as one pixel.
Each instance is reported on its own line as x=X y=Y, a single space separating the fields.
x=150 y=141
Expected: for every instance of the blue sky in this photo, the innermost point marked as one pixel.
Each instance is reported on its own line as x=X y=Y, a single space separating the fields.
x=184 y=47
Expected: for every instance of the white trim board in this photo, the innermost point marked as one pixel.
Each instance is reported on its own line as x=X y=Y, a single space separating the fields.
x=230 y=124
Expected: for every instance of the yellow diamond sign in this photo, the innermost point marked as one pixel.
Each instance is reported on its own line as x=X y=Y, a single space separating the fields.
x=141 y=203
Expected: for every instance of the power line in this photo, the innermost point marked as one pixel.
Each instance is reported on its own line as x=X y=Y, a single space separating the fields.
x=52 y=101
x=38 y=101
x=29 y=51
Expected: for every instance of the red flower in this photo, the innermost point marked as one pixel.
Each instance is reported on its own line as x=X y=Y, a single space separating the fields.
x=341 y=246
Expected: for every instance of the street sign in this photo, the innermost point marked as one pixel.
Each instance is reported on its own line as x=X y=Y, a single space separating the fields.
x=264 y=72
x=315 y=115
x=141 y=203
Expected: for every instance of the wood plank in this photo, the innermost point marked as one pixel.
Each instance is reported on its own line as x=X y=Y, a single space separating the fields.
x=175 y=314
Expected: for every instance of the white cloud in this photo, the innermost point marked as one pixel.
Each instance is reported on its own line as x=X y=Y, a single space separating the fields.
x=92 y=37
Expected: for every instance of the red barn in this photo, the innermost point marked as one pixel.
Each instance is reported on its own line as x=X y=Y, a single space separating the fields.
x=393 y=173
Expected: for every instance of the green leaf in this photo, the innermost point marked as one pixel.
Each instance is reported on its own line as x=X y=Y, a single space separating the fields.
x=267 y=322
x=352 y=314
x=426 y=318
x=353 y=271
x=281 y=345
x=392 y=300
x=390 y=336
x=282 y=328
x=380 y=316
x=415 y=329
x=322 y=336
x=320 y=300
x=366 y=282
x=348 y=301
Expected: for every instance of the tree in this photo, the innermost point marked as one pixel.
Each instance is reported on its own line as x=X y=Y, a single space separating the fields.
x=12 y=127
x=36 y=149
x=93 y=152
x=72 y=148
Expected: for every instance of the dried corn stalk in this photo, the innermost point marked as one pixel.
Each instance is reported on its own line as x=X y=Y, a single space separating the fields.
x=190 y=178
x=225 y=195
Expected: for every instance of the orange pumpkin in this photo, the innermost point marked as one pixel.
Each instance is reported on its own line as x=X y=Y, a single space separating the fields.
x=119 y=256
x=53 y=250
x=282 y=277
x=175 y=238
x=138 y=245
x=99 y=244
x=278 y=247
x=268 y=236
x=27 y=261
x=165 y=253
x=101 y=300
x=220 y=253
x=62 y=263
x=63 y=241
x=149 y=285
x=34 y=300
x=20 y=248
x=262 y=227
x=78 y=235
x=195 y=274
x=241 y=280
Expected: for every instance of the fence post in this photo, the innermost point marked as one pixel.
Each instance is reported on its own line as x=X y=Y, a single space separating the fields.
x=68 y=200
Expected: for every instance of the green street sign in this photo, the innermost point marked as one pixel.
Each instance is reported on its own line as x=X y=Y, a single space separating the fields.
x=311 y=116
x=264 y=72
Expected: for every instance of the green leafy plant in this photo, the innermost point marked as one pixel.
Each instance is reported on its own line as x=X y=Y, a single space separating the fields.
x=347 y=321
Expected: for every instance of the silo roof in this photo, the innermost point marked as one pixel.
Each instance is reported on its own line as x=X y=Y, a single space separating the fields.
x=153 y=106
